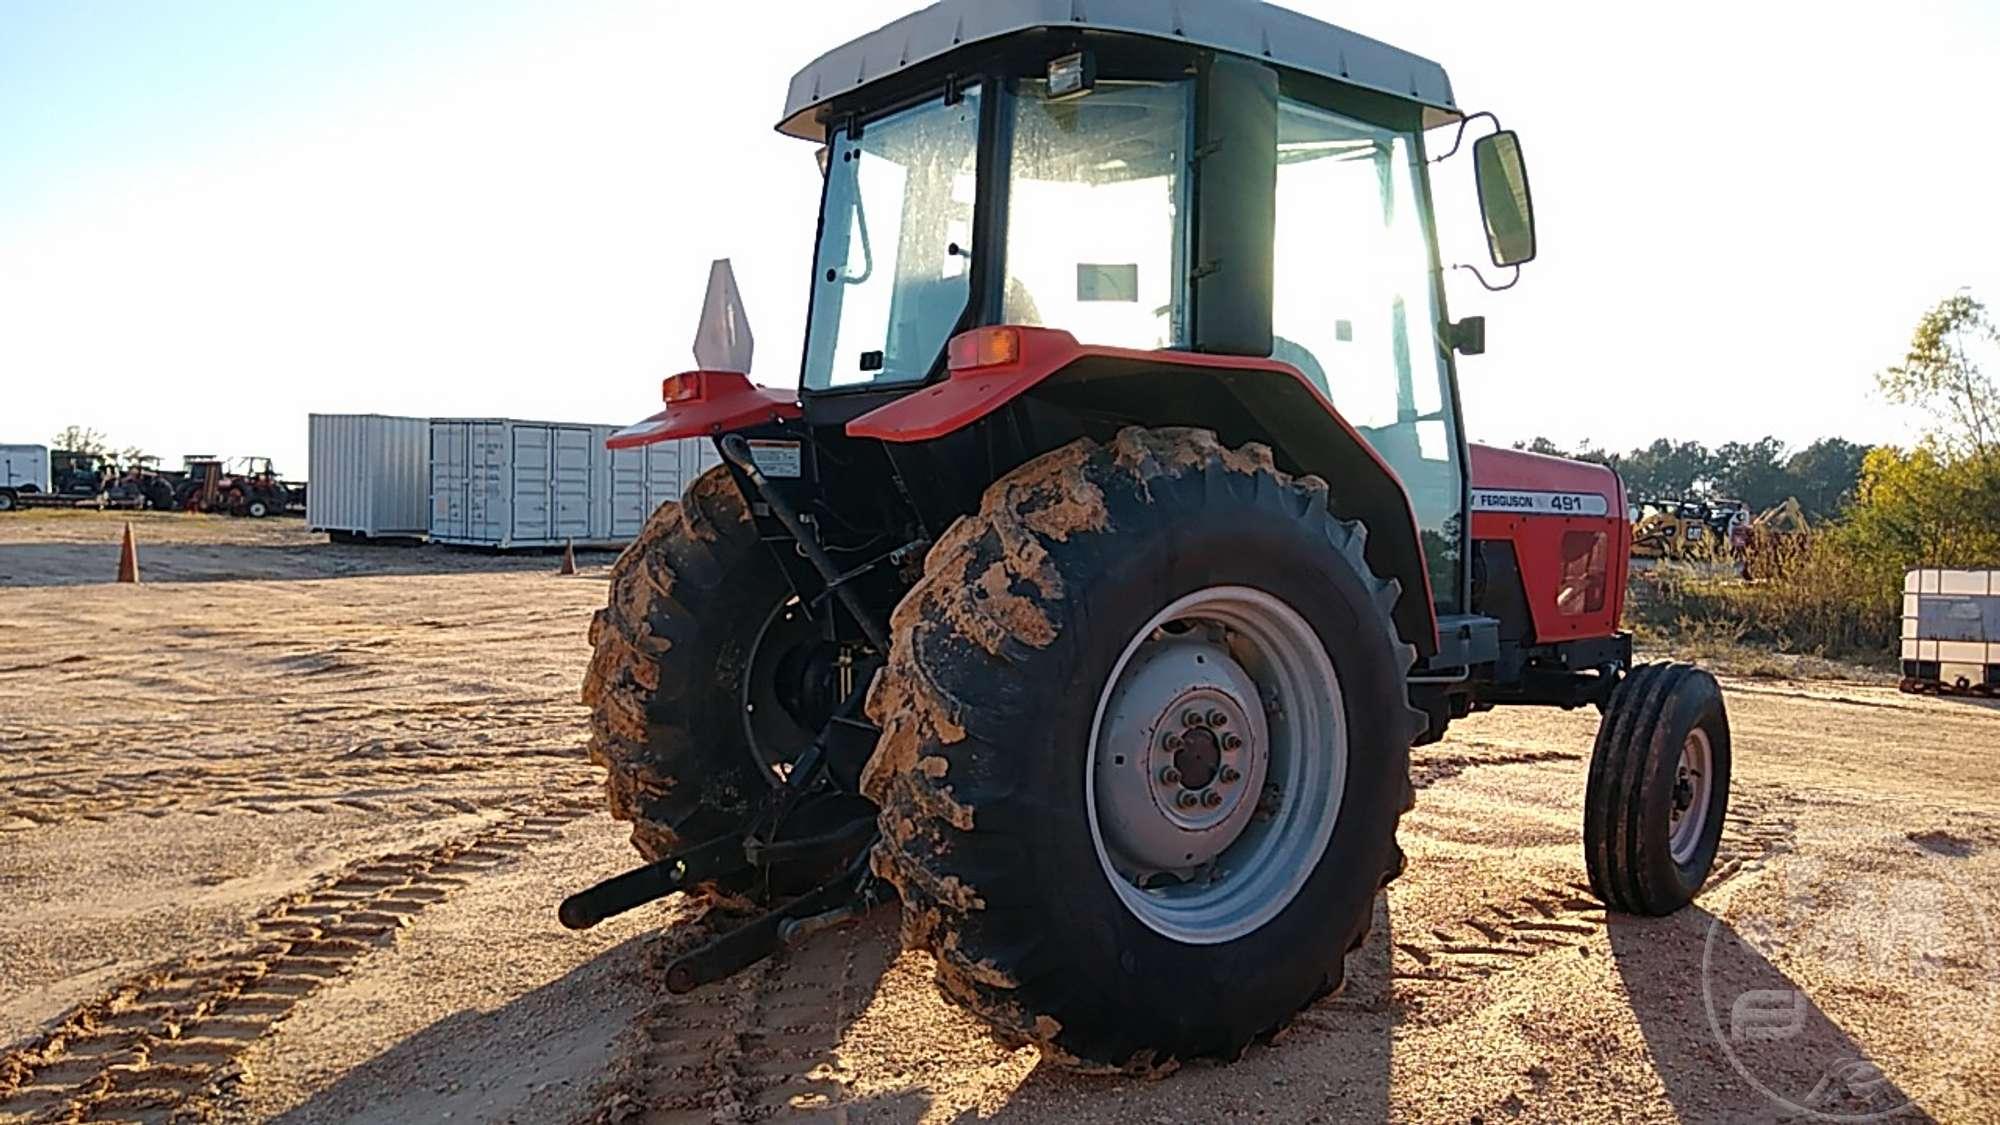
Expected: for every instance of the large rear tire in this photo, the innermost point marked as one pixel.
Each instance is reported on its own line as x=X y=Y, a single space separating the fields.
x=1066 y=686
x=689 y=598
x=1658 y=791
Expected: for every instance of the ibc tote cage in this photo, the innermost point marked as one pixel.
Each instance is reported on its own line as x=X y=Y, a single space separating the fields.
x=1951 y=630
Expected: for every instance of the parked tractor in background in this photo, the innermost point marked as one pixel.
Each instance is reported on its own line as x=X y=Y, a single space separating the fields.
x=1120 y=539
x=248 y=486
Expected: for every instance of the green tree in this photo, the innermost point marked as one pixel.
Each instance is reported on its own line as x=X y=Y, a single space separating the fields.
x=1753 y=472
x=81 y=439
x=1943 y=374
x=1824 y=476
x=1668 y=469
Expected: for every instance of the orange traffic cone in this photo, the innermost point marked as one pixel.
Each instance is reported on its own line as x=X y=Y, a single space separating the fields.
x=569 y=557
x=128 y=557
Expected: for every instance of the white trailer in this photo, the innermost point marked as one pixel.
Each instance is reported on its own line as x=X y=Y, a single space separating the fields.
x=1951 y=630
x=24 y=469
x=368 y=476
x=506 y=483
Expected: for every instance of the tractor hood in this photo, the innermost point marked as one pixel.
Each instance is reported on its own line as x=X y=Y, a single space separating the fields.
x=1521 y=483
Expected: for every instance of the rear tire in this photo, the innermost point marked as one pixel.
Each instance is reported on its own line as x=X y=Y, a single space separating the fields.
x=7 y=501
x=688 y=599
x=1659 y=789
x=1000 y=823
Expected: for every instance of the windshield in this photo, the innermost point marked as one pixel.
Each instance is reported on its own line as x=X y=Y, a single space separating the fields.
x=893 y=270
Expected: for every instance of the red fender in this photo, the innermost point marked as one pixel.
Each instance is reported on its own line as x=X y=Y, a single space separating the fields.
x=991 y=367
x=705 y=403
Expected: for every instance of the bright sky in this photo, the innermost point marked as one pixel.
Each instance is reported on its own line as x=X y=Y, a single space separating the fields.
x=216 y=217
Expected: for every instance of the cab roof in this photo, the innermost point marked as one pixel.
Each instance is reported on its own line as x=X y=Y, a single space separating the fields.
x=1240 y=27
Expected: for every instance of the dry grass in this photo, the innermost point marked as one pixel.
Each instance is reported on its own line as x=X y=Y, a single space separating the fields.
x=1804 y=598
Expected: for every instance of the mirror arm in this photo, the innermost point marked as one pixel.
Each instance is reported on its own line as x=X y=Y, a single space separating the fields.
x=1490 y=287
x=1459 y=139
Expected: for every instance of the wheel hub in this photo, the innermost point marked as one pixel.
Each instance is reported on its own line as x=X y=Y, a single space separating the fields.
x=1187 y=750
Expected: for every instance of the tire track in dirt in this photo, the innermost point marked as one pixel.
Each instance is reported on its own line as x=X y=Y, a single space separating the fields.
x=761 y=1045
x=1427 y=768
x=363 y=780
x=1506 y=934
x=170 y=1036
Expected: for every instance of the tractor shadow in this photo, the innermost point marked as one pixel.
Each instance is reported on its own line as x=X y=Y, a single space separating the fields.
x=1732 y=1037
x=606 y=1043
x=535 y=1058
x=1332 y=1063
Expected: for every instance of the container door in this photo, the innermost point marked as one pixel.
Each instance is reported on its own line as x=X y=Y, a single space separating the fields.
x=629 y=490
x=569 y=483
x=449 y=480
x=529 y=483
x=486 y=516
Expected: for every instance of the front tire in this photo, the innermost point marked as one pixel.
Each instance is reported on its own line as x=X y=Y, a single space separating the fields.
x=1658 y=791
x=1044 y=637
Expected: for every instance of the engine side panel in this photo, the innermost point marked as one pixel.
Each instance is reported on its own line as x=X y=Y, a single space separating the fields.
x=1570 y=538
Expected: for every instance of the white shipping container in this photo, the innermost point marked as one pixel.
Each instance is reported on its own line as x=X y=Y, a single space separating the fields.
x=505 y=483
x=24 y=467
x=368 y=475
x=1951 y=627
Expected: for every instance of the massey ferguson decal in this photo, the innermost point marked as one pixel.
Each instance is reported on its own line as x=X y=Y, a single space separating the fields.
x=1539 y=503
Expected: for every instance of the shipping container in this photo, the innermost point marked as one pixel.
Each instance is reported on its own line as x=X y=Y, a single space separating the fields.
x=368 y=476
x=24 y=467
x=1951 y=630
x=508 y=483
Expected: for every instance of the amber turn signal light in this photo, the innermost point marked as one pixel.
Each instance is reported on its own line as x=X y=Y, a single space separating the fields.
x=984 y=347
x=684 y=387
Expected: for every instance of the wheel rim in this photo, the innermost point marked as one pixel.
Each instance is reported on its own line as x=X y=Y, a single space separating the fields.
x=1218 y=758
x=775 y=738
x=1693 y=783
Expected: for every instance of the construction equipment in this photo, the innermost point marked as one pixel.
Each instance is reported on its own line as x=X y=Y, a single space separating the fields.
x=1775 y=541
x=1689 y=528
x=1120 y=538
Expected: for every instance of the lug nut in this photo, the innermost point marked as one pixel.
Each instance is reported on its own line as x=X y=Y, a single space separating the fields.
x=1217 y=719
x=1229 y=775
x=1186 y=799
x=1170 y=776
x=1190 y=718
x=1232 y=742
x=1210 y=798
x=1173 y=742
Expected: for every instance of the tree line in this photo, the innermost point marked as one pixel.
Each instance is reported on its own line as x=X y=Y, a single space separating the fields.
x=1824 y=477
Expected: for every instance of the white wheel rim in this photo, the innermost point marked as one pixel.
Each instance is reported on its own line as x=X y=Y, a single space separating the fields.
x=1250 y=668
x=1694 y=783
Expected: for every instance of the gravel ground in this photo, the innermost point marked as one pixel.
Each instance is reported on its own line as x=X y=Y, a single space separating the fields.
x=282 y=831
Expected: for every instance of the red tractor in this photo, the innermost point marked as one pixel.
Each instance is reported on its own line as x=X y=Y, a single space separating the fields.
x=1120 y=539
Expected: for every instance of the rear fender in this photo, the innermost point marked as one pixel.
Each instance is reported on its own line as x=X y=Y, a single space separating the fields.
x=705 y=404
x=1243 y=399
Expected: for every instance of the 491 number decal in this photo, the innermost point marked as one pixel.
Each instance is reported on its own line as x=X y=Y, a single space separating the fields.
x=1539 y=503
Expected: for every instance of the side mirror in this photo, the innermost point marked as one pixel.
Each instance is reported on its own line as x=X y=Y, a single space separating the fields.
x=1504 y=201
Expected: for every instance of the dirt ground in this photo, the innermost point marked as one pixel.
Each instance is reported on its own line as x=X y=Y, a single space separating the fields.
x=283 y=828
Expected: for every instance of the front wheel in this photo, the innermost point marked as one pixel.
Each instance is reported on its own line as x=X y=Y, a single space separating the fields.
x=1658 y=789
x=1145 y=746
